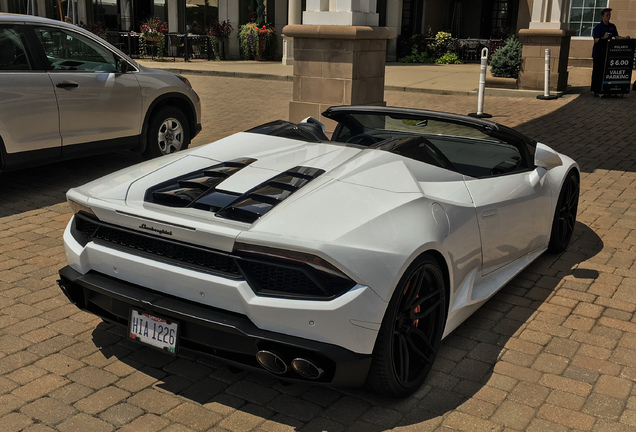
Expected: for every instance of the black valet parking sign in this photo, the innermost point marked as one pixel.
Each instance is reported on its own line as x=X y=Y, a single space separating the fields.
x=617 y=73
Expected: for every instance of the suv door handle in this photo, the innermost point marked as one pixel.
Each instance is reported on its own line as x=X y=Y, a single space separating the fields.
x=67 y=84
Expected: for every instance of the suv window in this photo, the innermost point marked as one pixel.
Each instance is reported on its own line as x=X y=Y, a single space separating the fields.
x=12 y=53
x=69 y=51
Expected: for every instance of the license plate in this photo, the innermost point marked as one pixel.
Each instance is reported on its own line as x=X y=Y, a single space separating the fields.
x=154 y=331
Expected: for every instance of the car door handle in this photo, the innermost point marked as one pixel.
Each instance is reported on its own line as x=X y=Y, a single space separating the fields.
x=67 y=84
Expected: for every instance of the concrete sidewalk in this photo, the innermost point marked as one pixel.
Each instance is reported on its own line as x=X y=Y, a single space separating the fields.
x=426 y=78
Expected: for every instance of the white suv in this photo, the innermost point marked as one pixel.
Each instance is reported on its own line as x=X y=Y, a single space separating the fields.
x=66 y=93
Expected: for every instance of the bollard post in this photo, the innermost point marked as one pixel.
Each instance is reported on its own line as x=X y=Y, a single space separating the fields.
x=482 y=86
x=546 y=80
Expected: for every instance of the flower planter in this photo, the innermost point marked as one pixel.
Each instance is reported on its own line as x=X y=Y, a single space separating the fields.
x=260 y=52
x=153 y=38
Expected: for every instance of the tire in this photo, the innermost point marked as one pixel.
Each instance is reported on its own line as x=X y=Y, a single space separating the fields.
x=565 y=214
x=167 y=133
x=411 y=331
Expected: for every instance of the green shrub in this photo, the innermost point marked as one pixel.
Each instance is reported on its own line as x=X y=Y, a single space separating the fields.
x=417 y=57
x=443 y=44
x=506 y=61
x=420 y=49
x=448 y=58
x=407 y=45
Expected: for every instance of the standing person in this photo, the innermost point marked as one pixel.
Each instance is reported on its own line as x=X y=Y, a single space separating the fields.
x=605 y=29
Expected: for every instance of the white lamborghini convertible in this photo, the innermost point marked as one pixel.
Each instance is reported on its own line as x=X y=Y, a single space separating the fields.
x=342 y=261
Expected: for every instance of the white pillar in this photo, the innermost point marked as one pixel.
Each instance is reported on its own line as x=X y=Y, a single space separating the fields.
x=393 y=21
x=229 y=10
x=550 y=14
x=294 y=16
x=174 y=16
x=82 y=11
x=126 y=17
x=341 y=12
x=40 y=8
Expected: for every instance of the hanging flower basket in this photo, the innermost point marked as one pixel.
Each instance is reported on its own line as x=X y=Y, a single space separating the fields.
x=219 y=33
x=153 y=37
x=150 y=37
x=256 y=42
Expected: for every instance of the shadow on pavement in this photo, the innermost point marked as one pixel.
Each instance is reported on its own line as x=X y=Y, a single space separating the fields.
x=597 y=133
x=33 y=188
x=464 y=364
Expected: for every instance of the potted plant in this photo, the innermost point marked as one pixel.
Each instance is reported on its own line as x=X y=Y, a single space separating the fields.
x=257 y=42
x=506 y=61
x=219 y=33
x=153 y=31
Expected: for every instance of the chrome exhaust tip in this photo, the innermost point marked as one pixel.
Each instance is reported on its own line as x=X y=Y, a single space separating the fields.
x=307 y=368
x=271 y=362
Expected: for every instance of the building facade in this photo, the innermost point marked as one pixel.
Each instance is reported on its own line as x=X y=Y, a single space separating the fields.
x=485 y=19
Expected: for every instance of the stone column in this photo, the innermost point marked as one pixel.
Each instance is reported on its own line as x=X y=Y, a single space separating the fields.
x=341 y=12
x=338 y=58
x=535 y=42
x=294 y=17
x=336 y=65
x=548 y=29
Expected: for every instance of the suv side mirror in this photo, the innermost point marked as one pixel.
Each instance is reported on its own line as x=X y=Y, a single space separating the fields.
x=122 y=66
x=546 y=158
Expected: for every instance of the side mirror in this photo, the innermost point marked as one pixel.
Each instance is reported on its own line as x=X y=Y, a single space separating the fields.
x=122 y=66
x=547 y=158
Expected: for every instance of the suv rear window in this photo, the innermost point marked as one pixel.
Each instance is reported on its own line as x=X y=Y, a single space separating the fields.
x=12 y=53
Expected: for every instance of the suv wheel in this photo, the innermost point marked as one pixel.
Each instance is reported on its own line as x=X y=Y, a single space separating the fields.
x=168 y=133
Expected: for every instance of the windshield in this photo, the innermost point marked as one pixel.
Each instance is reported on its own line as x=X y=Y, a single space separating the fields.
x=477 y=149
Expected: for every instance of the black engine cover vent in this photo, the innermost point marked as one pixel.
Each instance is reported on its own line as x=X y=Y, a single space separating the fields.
x=199 y=190
x=185 y=190
x=258 y=201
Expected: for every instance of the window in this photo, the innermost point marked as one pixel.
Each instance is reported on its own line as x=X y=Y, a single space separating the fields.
x=584 y=15
x=12 y=54
x=105 y=14
x=500 y=20
x=200 y=14
x=69 y=51
x=161 y=10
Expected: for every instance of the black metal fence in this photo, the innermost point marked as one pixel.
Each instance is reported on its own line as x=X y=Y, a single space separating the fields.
x=174 y=45
x=467 y=50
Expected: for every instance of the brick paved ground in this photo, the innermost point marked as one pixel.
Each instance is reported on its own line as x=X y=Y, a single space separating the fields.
x=555 y=350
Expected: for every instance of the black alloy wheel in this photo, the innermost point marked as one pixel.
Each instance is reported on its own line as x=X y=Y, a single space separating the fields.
x=411 y=331
x=565 y=214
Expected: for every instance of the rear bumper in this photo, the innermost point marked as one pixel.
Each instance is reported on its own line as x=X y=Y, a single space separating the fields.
x=229 y=336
